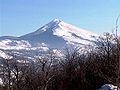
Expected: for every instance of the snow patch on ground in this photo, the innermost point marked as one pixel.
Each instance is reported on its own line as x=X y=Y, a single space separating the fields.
x=1 y=82
x=14 y=44
x=4 y=55
x=109 y=87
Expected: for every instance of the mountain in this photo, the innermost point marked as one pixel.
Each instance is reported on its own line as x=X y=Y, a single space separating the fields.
x=9 y=37
x=55 y=35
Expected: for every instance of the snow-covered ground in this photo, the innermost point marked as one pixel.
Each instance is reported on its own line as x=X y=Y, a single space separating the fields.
x=1 y=82
x=109 y=87
x=14 y=44
x=4 y=55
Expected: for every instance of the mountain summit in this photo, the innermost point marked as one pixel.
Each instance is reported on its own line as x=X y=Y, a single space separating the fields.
x=57 y=34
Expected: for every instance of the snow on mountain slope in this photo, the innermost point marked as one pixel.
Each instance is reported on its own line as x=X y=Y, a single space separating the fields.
x=54 y=35
x=4 y=55
x=20 y=45
x=14 y=44
x=58 y=33
x=73 y=34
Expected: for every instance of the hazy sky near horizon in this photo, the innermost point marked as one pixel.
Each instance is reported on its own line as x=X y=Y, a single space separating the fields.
x=19 y=17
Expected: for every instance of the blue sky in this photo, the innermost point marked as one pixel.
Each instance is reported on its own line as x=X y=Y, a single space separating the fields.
x=19 y=17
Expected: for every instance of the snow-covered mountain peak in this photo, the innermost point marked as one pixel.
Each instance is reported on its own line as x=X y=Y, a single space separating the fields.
x=57 y=33
x=54 y=23
x=59 y=24
x=56 y=20
x=47 y=27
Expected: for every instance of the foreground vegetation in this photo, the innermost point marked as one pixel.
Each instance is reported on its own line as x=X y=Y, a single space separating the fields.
x=74 y=71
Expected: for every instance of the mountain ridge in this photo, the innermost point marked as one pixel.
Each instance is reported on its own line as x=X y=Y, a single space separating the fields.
x=58 y=29
x=57 y=34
